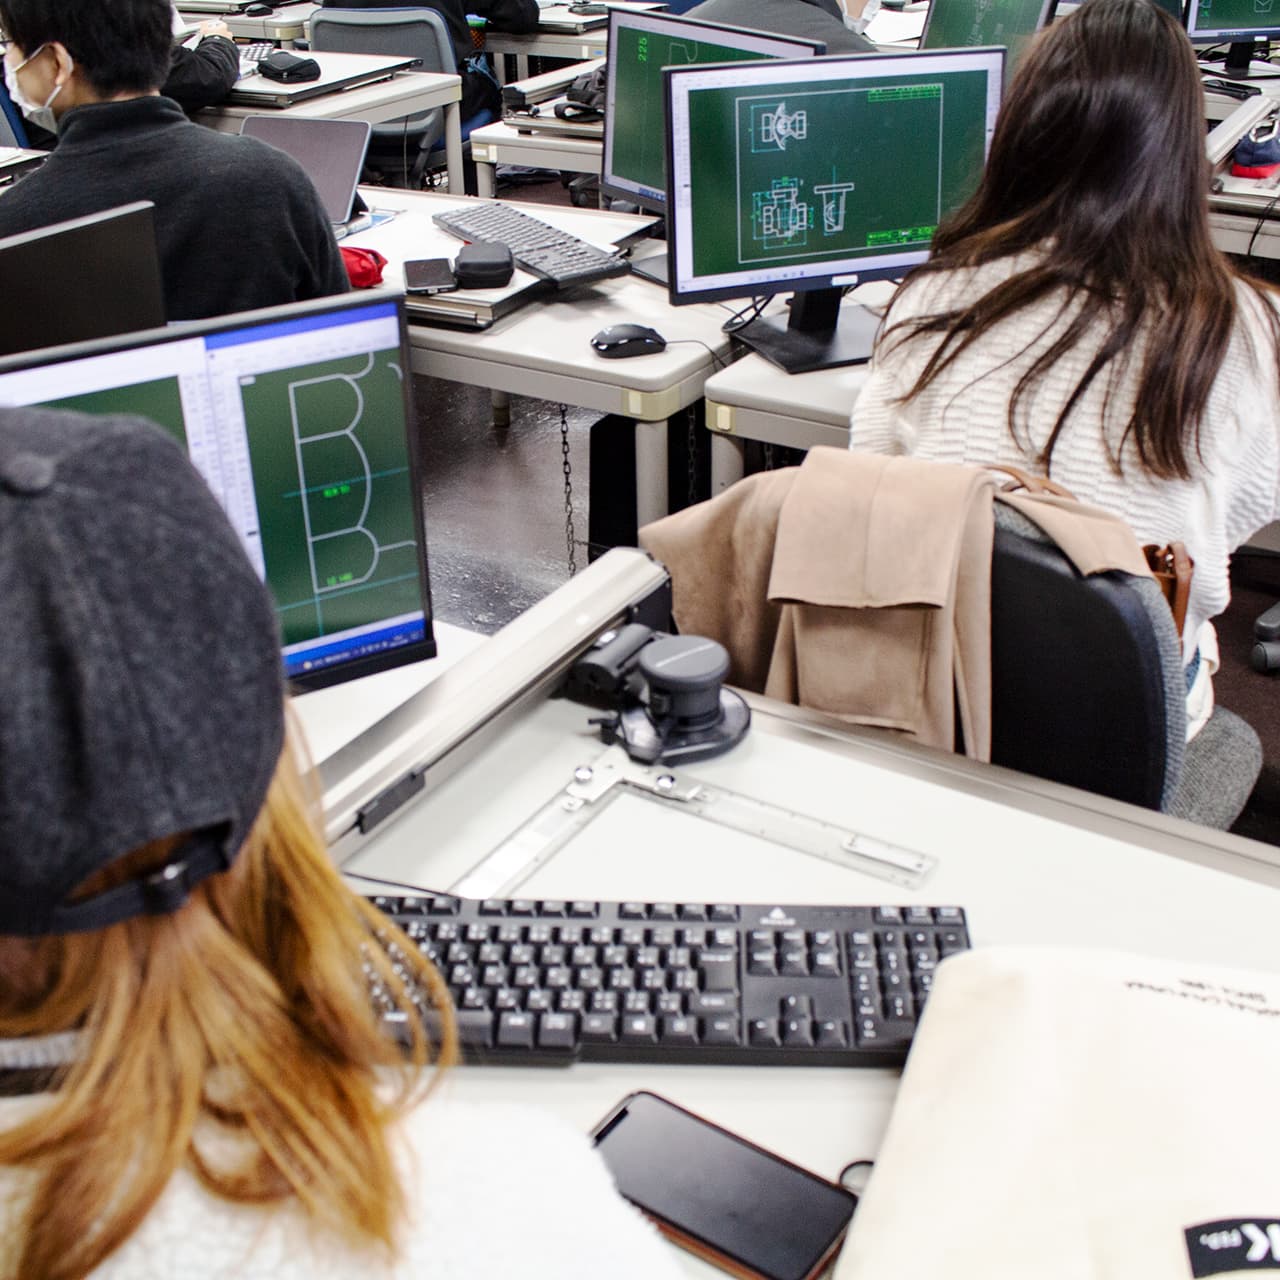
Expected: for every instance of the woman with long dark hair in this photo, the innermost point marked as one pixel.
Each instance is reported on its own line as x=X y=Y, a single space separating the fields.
x=1075 y=317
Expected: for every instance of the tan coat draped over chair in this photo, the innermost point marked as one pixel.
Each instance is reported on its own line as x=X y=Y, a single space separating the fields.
x=859 y=584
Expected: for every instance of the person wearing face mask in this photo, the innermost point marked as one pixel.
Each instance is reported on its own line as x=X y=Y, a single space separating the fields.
x=838 y=23
x=238 y=224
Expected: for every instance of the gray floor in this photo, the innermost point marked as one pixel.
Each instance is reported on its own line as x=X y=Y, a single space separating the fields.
x=494 y=502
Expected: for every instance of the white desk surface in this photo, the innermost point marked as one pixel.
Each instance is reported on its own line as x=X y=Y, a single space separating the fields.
x=402 y=94
x=553 y=40
x=289 y=22
x=755 y=400
x=543 y=348
x=1029 y=862
x=502 y=143
x=332 y=717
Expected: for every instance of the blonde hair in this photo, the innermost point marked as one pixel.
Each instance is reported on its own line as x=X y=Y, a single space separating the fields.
x=248 y=1008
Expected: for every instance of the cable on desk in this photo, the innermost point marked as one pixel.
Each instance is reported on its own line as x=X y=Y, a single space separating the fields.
x=1257 y=230
x=744 y=315
x=855 y=1184
x=717 y=361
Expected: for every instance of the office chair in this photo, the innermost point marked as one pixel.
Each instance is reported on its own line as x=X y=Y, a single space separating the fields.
x=1088 y=687
x=399 y=149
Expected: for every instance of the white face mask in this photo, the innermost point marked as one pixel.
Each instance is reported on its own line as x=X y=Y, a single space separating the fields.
x=40 y=115
x=860 y=23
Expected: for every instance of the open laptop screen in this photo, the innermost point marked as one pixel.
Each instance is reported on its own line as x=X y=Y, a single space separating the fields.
x=298 y=418
x=330 y=151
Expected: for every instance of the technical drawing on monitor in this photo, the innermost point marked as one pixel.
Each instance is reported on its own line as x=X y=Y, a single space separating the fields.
x=970 y=24
x=299 y=426
x=640 y=45
x=1241 y=24
x=792 y=176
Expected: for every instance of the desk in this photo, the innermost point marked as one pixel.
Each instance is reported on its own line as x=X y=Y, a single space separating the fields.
x=289 y=22
x=502 y=143
x=543 y=349
x=576 y=46
x=399 y=95
x=1032 y=862
x=755 y=400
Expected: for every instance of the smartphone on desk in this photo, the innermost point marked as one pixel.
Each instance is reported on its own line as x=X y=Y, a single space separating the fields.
x=729 y=1201
x=428 y=275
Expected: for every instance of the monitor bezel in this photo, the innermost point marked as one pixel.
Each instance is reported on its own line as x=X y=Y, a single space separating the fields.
x=1225 y=35
x=354 y=668
x=609 y=182
x=842 y=278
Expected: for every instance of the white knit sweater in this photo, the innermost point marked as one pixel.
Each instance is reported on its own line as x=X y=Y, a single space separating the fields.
x=494 y=1193
x=963 y=417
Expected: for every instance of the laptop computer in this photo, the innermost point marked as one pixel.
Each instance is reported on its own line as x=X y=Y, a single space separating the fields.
x=331 y=151
x=337 y=71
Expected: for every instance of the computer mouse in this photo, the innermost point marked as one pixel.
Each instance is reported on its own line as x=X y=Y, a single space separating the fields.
x=619 y=341
x=258 y=10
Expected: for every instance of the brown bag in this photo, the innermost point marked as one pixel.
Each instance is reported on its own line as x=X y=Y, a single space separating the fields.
x=1032 y=484
x=1171 y=567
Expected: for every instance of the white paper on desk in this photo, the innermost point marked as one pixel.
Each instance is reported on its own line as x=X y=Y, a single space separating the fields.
x=892 y=27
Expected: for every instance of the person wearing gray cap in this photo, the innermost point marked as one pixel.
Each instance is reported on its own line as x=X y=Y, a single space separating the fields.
x=193 y=1080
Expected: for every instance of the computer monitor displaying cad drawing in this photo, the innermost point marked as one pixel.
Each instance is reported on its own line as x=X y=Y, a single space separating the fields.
x=298 y=417
x=818 y=175
x=1241 y=23
x=970 y=24
x=640 y=45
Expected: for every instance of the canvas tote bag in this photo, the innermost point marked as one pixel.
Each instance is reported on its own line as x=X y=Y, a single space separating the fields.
x=1080 y=1115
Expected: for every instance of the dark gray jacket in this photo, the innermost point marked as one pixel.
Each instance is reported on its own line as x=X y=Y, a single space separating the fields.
x=238 y=223
x=811 y=19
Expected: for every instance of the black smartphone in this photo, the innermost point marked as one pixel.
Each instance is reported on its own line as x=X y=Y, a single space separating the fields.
x=729 y=1201
x=428 y=275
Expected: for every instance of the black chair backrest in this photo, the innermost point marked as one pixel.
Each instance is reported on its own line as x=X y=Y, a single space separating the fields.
x=1080 y=672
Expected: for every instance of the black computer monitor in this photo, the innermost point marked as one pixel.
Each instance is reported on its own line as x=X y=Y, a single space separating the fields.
x=1241 y=23
x=971 y=24
x=87 y=278
x=640 y=45
x=815 y=176
x=299 y=419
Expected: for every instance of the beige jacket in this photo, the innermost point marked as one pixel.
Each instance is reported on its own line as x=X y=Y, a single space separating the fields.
x=860 y=584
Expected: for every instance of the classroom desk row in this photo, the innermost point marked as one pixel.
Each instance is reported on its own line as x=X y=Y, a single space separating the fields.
x=1032 y=863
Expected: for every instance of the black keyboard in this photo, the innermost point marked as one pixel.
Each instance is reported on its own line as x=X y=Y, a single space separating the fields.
x=681 y=982
x=541 y=249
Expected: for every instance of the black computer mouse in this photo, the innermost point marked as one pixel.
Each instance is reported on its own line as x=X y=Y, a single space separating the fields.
x=621 y=340
x=258 y=10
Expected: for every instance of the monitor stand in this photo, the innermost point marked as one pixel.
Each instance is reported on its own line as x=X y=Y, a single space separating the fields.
x=1239 y=64
x=818 y=335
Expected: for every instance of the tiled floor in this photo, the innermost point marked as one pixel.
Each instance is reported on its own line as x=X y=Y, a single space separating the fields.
x=494 y=502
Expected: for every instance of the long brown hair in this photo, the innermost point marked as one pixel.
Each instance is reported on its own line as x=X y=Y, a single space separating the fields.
x=1098 y=168
x=247 y=1010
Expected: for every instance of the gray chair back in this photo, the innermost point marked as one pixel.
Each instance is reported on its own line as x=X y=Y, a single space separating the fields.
x=409 y=33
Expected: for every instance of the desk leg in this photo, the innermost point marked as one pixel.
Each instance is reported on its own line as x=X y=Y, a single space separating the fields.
x=453 y=147
x=651 y=472
x=500 y=404
x=486 y=179
x=727 y=461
